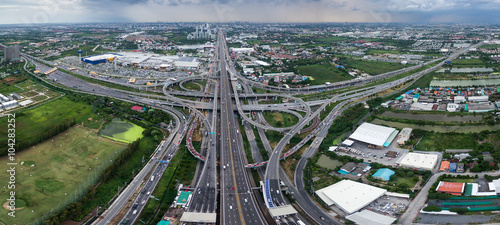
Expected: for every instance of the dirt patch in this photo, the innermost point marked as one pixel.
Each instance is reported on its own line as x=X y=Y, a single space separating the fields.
x=6 y=206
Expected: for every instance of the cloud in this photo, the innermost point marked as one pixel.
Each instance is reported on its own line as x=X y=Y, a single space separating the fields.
x=34 y=11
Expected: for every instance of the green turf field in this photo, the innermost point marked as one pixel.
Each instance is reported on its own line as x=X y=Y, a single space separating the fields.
x=34 y=122
x=51 y=169
x=122 y=131
x=324 y=73
x=373 y=67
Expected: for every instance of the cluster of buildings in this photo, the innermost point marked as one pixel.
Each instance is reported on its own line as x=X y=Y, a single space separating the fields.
x=145 y=60
x=446 y=99
x=202 y=32
x=11 y=53
x=380 y=137
x=9 y=102
x=359 y=202
x=469 y=189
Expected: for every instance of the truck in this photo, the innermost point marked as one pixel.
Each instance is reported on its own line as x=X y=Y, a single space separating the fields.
x=327 y=83
x=152 y=178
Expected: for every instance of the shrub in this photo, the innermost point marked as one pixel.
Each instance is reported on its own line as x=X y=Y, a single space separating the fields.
x=432 y=208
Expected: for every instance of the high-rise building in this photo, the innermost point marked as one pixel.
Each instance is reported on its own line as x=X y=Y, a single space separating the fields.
x=11 y=53
x=202 y=32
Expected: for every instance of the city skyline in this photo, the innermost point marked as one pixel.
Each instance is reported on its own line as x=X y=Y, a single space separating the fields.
x=309 y=11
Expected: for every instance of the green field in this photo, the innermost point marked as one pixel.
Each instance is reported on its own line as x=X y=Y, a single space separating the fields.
x=322 y=73
x=382 y=51
x=489 y=46
x=192 y=86
x=122 y=131
x=60 y=165
x=331 y=39
x=437 y=128
x=34 y=122
x=459 y=63
x=408 y=181
x=442 y=141
x=279 y=119
x=327 y=162
x=373 y=67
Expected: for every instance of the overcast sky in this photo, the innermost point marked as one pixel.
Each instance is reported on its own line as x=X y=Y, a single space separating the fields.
x=419 y=11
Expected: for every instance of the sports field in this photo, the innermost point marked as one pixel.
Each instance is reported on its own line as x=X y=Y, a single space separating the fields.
x=34 y=123
x=49 y=173
x=122 y=131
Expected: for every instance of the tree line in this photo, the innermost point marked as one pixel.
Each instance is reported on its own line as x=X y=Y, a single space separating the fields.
x=51 y=132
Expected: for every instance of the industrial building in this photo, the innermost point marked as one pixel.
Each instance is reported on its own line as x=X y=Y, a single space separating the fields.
x=7 y=103
x=480 y=107
x=451 y=188
x=349 y=195
x=418 y=161
x=404 y=135
x=145 y=60
x=367 y=217
x=103 y=58
x=374 y=134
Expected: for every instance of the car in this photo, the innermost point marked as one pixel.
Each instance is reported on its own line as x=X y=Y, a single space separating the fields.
x=232 y=188
x=322 y=218
x=374 y=156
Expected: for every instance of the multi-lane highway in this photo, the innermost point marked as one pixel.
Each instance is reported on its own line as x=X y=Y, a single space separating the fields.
x=238 y=204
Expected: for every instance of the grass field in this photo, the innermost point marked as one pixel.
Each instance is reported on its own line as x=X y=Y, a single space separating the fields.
x=331 y=39
x=403 y=180
x=60 y=166
x=36 y=121
x=489 y=46
x=122 y=131
x=442 y=141
x=324 y=73
x=459 y=63
x=325 y=161
x=192 y=86
x=279 y=119
x=373 y=67
x=442 y=129
x=382 y=51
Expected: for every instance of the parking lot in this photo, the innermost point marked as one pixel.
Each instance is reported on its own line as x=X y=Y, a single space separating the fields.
x=360 y=150
x=389 y=205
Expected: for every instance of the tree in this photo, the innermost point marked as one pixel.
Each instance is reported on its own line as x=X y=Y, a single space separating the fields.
x=432 y=208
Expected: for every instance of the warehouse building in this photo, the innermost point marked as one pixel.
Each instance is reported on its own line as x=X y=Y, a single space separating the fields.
x=374 y=134
x=451 y=188
x=367 y=217
x=349 y=195
x=103 y=58
x=383 y=174
x=419 y=161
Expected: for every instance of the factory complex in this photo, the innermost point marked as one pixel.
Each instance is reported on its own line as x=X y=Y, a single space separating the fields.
x=145 y=60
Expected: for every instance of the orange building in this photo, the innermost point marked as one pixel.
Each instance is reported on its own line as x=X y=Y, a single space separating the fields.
x=450 y=188
x=445 y=166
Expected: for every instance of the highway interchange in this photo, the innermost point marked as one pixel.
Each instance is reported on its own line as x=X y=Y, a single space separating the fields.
x=230 y=182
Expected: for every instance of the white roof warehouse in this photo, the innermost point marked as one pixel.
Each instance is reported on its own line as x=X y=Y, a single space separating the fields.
x=349 y=195
x=374 y=134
